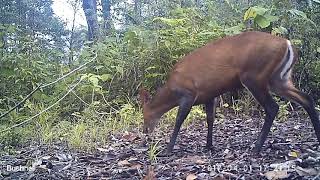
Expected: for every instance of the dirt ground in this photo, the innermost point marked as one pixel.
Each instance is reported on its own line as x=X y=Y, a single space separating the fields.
x=290 y=152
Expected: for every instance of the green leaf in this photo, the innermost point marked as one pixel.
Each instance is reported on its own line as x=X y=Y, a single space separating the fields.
x=150 y=68
x=170 y=22
x=206 y=33
x=130 y=36
x=250 y=13
x=105 y=77
x=262 y=21
x=98 y=67
x=234 y=29
x=153 y=75
x=301 y=14
x=298 y=13
x=119 y=69
x=84 y=76
x=94 y=80
x=2 y=27
x=279 y=30
x=7 y=71
x=316 y=1
x=11 y=29
x=271 y=18
x=293 y=154
x=318 y=49
x=95 y=103
x=259 y=10
x=296 y=41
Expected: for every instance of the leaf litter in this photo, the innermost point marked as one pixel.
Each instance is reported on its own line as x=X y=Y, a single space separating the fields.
x=288 y=153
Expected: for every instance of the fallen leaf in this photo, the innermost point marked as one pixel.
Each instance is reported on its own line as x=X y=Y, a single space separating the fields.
x=226 y=151
x=203 y=176
x=191 y=177
x=102 y=149
x=296 y=127
x=66 y=167
x=219 y=177
x=293 y=154
x=306 y=171
x=128 y=136
x=311 y=159
x=133 y=159
x=136 y=166
x=228 y=175
x=64 y=157
x=200 y=162
x=272 y=175
x=124 y=163
x=46 y=157
x=140 y=150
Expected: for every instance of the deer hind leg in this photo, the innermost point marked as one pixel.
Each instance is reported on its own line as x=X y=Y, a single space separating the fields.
x=286 y=89
x=261 y=94
x=210 y=107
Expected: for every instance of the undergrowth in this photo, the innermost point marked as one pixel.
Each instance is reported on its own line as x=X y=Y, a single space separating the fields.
x=90 y=129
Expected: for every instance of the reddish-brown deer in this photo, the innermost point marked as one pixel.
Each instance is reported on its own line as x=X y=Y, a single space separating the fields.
x=260 y=62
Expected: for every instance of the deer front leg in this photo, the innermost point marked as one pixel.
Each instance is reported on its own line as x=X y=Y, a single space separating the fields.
x=184 y=109
x=210 y=113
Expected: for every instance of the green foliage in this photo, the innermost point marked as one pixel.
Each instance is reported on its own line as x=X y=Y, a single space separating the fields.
x=153 y=152
x=283 y=111
x=260 y=15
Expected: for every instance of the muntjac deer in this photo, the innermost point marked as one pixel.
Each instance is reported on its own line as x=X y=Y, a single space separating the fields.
x=258 y=61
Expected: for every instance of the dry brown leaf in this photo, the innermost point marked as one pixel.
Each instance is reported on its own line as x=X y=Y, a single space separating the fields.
x=124 y=163
x=191 y=177
x=135 y=166
x=273 y=175
x=200 y=162
x=129 y=136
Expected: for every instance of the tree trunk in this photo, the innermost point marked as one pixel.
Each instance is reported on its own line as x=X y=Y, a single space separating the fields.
x=90 y=11
x=106 y=8
x=137 y=10
x=198 y=3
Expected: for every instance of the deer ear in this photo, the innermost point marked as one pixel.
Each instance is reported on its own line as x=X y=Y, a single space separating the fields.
x=144 y=96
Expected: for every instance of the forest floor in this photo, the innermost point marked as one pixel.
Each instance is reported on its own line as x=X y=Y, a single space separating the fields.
x=290 y=152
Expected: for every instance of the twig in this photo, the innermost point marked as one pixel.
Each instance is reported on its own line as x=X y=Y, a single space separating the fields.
x=71 y=72
x=41 y=112
x=80 y=98
x=46 y=85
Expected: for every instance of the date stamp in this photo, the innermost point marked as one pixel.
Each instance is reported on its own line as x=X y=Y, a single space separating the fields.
x=249 y=168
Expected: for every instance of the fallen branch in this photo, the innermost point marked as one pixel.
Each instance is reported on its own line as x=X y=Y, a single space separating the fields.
x=49 y=84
